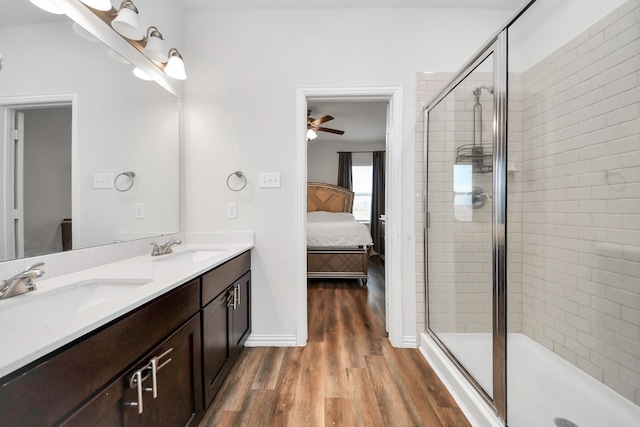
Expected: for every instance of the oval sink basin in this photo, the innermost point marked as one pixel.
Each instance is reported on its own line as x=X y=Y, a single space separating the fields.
x=196 y=255
x=53 y=305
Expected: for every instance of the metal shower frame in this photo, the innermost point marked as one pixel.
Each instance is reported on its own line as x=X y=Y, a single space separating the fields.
x=497 y=45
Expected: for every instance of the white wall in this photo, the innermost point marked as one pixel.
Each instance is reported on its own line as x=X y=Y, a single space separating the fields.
x=548 y=25
x=244 y=68
x=322 y=158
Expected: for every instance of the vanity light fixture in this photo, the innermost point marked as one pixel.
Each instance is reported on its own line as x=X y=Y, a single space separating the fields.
x=47 y=6
x=154 y=49
x=98 y=4
x=311 y=135
x=127 y=23
x=141 y=74
x=79 y=30
x=175 y=66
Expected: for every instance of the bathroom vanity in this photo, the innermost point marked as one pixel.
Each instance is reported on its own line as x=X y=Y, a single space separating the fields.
x=159 y=363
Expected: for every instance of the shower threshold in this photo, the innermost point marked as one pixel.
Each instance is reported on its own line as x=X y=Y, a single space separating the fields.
x=541 y=386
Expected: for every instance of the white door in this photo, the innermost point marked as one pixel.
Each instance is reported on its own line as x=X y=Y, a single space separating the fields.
x=16 y=187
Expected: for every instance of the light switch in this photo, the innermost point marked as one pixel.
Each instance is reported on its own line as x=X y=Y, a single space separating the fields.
x=232 y=210
x=139 y=211
x=102 y=180
x=270 y=179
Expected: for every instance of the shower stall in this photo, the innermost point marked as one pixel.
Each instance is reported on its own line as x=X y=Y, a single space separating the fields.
x=532 y=220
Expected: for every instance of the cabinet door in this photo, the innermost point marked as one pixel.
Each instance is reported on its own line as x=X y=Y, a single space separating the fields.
x=240 y=316
x=178 y=400
x=178 y=385
x=109 y=408
x=215 y=344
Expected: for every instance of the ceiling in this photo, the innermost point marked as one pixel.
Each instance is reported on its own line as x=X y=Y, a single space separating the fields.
x=348 y=4
x=20 y=12
x=361 y=121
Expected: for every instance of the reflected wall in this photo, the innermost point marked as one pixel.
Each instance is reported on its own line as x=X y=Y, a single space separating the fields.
x=121 y=124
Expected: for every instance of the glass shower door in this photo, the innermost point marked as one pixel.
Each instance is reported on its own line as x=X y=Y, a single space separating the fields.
x=460 y=222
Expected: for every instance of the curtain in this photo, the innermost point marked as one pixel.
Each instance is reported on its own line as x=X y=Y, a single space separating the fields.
x=377 y=201
x=344 y=170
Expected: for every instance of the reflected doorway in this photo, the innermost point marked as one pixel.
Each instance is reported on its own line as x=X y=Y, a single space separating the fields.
x=37 y=182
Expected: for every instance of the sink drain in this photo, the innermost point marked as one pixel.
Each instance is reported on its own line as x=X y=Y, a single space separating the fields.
x=563 y=422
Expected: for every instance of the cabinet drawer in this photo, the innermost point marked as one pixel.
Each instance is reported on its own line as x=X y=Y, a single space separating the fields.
x=51 y=389
x=219 y=279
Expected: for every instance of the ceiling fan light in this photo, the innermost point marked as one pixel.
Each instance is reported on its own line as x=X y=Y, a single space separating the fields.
x=127 y=22
x=47 y=6
x=175 y=66
x=311 y=135
x=98 y=4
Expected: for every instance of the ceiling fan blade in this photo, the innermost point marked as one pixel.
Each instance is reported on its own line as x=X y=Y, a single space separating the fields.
x=321 y=120
x=336 y=131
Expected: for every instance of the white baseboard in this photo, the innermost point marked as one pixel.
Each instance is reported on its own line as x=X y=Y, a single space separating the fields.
x=409 y=341
x=271 y=341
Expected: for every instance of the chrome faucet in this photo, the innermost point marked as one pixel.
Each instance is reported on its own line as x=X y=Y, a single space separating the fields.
x=164 y=249
x=22 y=282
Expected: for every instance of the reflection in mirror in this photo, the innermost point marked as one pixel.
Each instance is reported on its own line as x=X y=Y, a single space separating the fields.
x=57 y=187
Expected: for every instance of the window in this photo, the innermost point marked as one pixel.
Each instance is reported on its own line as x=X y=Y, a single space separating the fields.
x=362 y=179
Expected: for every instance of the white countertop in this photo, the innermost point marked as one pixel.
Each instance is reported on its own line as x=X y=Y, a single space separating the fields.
x=26 y=339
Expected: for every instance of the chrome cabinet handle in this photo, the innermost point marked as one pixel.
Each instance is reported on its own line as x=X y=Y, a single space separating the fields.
x=237 y=296
x=136 y=382
x=231 y=299
x=155 y=367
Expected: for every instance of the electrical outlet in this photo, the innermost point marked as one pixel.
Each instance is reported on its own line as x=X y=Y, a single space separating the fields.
x=232 y=210
x=270 y=179
x=102 y=180
x=139 y=211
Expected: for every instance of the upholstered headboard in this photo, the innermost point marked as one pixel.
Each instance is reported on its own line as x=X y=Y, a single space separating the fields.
x=328 y=197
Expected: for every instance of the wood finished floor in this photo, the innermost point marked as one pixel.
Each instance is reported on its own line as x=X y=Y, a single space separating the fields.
x=347 y=375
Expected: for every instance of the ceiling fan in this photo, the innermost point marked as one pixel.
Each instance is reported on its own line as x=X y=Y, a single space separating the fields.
x=313 y=125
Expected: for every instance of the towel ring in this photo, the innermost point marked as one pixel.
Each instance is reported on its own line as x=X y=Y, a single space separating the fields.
x=240 y=176
x=131 y=175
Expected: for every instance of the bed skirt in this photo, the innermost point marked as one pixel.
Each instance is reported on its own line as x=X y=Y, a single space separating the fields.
x=338 y=263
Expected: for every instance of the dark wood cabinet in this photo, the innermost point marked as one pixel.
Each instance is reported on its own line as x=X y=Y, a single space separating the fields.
x=189 y=337
x=226 y=320
x=47 y=391
x=215 y=346
x=177 y=400
x=240 y=324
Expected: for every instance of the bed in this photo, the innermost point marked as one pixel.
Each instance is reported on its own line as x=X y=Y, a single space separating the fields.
x=337 y=245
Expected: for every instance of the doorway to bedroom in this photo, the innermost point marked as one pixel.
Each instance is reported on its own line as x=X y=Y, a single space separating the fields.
x=346 y=147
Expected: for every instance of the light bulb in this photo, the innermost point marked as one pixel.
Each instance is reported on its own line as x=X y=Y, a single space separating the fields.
x=175 y=66
x=47 y=6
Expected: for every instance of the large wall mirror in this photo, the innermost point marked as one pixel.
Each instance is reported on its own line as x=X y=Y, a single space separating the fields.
x=84 y=119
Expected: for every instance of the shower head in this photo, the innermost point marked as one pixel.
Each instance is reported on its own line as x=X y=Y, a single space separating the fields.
x=477 y=91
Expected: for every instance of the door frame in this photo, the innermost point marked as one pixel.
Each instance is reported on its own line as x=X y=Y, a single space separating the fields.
x=8 y=107
x=393 y=282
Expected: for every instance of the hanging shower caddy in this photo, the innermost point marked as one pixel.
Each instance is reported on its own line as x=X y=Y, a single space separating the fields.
x=476 y=154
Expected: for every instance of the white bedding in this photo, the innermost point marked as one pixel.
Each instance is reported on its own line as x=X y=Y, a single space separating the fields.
x=336 y=229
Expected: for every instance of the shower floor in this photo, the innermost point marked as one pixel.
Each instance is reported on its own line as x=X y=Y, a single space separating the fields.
x=542 y=386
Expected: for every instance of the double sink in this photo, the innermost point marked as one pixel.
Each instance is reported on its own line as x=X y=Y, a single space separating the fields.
x=59 y=304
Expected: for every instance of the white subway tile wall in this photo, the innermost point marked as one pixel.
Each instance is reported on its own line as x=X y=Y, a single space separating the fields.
x=580 y=201
x=574 y=206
